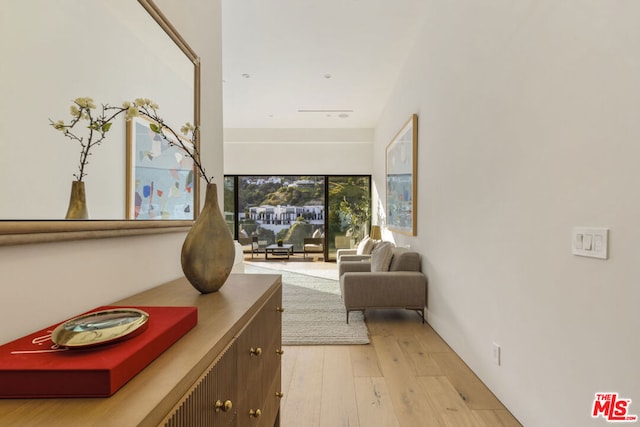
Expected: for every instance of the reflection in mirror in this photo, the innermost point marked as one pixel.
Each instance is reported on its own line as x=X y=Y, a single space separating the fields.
x=48 y=59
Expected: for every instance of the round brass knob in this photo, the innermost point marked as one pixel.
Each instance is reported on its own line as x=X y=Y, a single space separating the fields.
x=280 y=351
x=255 y=351
x=255 y=414
x=279 y=394
x=224 y=407
x=280 y=309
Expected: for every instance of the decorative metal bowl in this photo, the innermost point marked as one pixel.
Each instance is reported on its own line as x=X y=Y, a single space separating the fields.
x=100 y=327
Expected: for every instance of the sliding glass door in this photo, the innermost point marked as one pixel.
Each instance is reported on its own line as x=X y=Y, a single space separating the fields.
x=349 y=211
x=287 y=208
x=291 y=207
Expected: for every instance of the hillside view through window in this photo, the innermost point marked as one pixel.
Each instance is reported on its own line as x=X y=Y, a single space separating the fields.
x=292 y=207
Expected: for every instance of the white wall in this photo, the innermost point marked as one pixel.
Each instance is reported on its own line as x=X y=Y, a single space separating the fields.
x=528 y=126
x=298 y=151
x=200 y=23
x=45 y=283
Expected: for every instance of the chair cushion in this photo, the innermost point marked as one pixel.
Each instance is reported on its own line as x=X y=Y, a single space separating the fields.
x=381 y=256
x=365 y=246
x=403 y=260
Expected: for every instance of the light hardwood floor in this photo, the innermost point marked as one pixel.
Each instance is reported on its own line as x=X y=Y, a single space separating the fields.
x=408 y=376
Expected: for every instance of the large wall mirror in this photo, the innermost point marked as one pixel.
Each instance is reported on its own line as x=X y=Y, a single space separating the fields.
x=53 y=52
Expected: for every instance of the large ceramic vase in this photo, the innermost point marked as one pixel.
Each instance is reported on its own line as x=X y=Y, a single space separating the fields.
x=208 y=251
x=77 y=202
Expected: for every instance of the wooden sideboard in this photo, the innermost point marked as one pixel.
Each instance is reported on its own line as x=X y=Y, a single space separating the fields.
x=224 y=372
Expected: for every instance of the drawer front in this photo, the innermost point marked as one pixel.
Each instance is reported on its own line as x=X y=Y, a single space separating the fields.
x=252 y=349
x=213 y=399
x=273 y=355
x=271 y=403
x=259 y=360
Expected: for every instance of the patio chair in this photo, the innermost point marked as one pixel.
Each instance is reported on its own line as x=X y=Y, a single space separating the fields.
x=313 y=245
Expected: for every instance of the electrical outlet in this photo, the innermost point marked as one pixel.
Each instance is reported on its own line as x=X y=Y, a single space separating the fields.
x=496 y=354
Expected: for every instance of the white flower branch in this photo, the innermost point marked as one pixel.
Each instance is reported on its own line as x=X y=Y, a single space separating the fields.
x=81 y=110
x=98 y=126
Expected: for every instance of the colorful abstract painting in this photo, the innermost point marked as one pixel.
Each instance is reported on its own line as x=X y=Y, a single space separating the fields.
x=160 y=176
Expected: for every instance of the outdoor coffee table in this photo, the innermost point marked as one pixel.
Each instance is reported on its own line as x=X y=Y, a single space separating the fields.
x=281 y=251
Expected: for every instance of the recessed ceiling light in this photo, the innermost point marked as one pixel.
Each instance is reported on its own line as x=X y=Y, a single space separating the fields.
x=246 y=75
x=327 y=76
x=343 y=115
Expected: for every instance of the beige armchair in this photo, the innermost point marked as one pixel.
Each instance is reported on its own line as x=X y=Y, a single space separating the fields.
x=402 y=285
x=360 y=253
x=351 y=255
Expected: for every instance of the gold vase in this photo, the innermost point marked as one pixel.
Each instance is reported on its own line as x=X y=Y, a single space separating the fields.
x=208 y=251
x=77 y=202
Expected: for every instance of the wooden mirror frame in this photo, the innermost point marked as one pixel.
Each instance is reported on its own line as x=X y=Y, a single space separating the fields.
x=21 y=232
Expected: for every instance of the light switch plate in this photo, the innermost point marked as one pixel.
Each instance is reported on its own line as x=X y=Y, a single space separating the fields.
x=497 y=354
x=590 y=242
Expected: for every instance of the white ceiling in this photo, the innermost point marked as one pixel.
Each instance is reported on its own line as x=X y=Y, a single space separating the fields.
x=287 y=48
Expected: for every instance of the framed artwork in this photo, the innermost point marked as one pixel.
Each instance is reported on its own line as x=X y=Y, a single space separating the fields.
x=160 y=176
x=401 y=163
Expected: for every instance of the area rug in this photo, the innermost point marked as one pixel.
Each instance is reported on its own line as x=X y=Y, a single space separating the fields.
x=314 y=313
